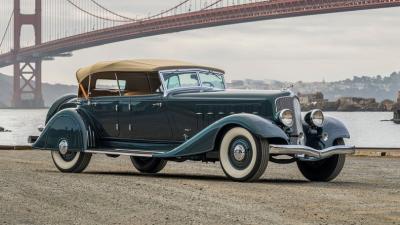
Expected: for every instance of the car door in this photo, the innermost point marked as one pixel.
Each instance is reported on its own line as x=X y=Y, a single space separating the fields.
x=105 y=111
x=125 y=117
x=150 y=121
x=184 y=117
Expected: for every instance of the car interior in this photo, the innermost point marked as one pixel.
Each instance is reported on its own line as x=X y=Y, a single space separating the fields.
x=120 y=84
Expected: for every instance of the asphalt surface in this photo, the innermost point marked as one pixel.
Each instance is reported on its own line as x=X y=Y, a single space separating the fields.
x=111 y=191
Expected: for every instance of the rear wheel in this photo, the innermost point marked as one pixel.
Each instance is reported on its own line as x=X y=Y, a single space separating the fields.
x=70 y=162
x=148 y=165
x=243 y=157
x=325 y=169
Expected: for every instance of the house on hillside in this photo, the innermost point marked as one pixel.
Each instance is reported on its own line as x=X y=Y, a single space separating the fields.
x=312 y=101
x=312 y=98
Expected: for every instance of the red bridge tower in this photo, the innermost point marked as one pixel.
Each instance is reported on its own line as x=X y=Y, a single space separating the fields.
x=27 y=72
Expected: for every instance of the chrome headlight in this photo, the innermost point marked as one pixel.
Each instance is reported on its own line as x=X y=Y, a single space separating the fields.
x=286 y=117
x=315 y=118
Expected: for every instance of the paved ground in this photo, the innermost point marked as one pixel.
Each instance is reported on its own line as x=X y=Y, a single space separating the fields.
x=32 y=191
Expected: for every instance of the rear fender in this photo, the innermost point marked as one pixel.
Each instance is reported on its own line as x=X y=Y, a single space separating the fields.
x=63 y=102
x=68 y=125
x=206 y=140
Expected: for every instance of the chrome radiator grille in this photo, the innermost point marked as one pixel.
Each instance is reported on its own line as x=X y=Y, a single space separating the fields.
x=292 y=103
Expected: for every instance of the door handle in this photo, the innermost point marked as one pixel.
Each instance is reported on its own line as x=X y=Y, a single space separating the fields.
x=158 y=104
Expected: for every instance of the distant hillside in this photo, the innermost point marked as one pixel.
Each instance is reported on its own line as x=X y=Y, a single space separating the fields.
x=6 y=85
x=50 y=91
x=377 y=87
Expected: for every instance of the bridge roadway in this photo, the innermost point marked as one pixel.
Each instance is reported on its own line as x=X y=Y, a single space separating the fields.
x=194 y=20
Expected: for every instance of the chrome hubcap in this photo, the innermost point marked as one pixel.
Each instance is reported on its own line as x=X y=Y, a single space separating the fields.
x=239 y=152
x=63 y=147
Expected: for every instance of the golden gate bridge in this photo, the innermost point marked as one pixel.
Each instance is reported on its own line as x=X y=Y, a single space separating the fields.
x=62 y=26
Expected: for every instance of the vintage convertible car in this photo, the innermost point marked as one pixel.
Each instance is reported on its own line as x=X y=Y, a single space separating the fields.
x=161 y=110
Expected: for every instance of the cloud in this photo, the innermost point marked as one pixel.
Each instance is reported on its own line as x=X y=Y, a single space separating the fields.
x=311 y=48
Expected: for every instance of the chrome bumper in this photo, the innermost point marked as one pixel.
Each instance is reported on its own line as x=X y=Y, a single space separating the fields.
x=304 y=152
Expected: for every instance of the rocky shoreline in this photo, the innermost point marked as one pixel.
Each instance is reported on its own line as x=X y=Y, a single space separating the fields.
x=2 y=129
x=347 y=104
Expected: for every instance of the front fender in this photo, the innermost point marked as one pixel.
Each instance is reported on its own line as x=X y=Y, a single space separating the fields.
x=333 y=127
x=205 y=140
x=66 y=125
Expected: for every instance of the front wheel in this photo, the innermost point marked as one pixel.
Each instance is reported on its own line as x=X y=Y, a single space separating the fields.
x=323 y=170
x=71 y=162
x=148 y=165
x=243 y=156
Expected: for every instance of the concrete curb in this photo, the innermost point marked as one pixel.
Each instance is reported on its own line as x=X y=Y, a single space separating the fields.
x=378 y=152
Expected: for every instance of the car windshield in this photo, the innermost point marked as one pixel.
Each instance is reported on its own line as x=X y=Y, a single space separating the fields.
x=181 y=79
x=213 y=80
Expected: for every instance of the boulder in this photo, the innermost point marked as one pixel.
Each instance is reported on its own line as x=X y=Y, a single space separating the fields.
x=2 y=129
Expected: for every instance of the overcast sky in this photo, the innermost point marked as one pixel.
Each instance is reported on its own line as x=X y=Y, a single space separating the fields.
x=312 y=48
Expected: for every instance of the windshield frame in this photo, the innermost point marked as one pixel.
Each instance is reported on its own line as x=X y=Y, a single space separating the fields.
x=194 y=70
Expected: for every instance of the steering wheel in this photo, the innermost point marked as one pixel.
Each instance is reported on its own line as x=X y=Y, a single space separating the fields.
x=208 y=83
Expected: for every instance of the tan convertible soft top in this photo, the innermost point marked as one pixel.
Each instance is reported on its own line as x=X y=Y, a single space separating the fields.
x=139 y=65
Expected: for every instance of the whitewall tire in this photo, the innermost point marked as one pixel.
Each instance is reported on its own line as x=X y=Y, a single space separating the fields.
x=70 y=162
x=243 y=157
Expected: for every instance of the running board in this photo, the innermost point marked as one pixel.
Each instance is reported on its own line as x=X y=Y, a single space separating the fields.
x=128 y=152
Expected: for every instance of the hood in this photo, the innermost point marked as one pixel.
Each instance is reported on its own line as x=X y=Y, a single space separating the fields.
x=236 y=94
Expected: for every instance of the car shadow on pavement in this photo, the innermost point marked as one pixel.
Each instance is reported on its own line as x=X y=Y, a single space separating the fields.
x=171 y=176
x=208 y=177
x=221 y=178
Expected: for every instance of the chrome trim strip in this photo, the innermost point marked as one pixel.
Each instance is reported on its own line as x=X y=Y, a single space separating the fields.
x=88 y=138
x=94 y=139
x=128 y=152
x=311 y=152
x=89 y=133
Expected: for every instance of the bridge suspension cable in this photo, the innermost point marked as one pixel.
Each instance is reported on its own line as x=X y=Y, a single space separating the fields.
x=212 y=4
x=169 y=10
x=114 y=13
x=94 y=15
x=7 y=29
